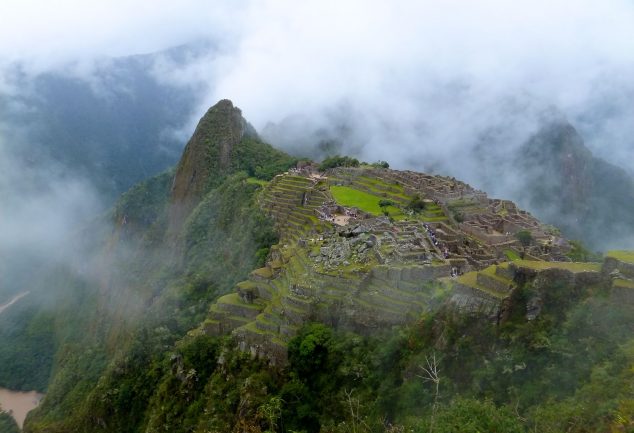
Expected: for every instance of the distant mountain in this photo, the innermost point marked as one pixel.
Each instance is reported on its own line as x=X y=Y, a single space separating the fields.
x=567 y=186
x=115 y=127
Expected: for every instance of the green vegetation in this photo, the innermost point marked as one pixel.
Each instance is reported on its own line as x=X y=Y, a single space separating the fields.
x=226 y=224
x=132 y=348
x=133 y=383
x=259 y=159
x=525 y=237
x=623 y=256
x=579 y=253
x=256 y=181
x=364 y=201
x=569 y=266
x=380 y=164
x=511 y=255
x=26 y=355
x=379 y=186
x=338 y=161
x=467 y=415
x=416 y=204
x=142 y=205
x=433 y=212
x=470 y=279
x=625 y=284
x=519 y=378
x=7 y=423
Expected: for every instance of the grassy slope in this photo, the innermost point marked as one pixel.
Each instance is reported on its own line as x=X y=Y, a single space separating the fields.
x=569 y=266
x=623 y=256
x=364 y=201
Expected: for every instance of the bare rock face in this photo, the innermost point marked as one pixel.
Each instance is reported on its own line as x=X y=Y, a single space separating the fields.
x=206 y=159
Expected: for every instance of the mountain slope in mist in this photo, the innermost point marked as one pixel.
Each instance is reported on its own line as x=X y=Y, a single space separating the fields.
x=134 y=279
x=559 y=179
x=112 y=125
x=135 y=351
x=71 y=140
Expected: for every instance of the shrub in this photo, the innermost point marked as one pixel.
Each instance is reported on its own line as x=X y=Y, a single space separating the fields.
x=416 y=204
x=380 y=164
x=467 y=415
x=525 y=237
x=338 y=161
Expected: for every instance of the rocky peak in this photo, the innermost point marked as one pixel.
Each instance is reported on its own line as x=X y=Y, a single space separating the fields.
x=206 y=158
x=557 y=165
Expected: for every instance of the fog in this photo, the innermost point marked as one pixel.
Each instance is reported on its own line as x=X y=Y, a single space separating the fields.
x=420 y=84
x=42 y=214
x=422 y=80
x=423 y=77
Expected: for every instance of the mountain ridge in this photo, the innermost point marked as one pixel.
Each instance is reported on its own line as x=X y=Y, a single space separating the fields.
x=284 y=288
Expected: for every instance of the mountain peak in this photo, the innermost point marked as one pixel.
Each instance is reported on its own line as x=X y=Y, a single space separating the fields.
x=206 y=157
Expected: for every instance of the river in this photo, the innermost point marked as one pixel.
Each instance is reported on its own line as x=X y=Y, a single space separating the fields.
x=12 y=301
x=19 y=403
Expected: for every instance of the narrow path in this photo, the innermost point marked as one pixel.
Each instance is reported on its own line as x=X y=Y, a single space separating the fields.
x=13 y=300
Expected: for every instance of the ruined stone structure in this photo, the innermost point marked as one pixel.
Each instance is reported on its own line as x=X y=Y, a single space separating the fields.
x=372 y=272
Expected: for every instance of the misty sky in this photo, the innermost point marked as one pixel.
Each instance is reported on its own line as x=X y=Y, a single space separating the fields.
x=417 y=83
x=407 y=70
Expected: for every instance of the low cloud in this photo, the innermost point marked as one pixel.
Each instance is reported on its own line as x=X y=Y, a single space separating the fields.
x=421 y=79
x=42 y=215
x=427 y=80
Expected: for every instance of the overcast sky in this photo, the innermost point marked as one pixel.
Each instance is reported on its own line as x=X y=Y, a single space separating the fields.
x=419 y=77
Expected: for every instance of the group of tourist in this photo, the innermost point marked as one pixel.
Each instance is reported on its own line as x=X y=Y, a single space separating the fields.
x=432 y=235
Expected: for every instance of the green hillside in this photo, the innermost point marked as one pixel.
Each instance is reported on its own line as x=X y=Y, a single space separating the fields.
x=242 y=292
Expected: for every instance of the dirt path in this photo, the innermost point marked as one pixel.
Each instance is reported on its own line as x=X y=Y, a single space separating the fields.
x=18 y=403
x=13 y=300
x=342 y=220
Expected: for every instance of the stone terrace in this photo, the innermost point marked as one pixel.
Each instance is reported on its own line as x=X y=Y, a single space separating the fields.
x=493 y=223
x=373 y=272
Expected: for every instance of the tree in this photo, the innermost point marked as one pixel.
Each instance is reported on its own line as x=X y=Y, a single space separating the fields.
x=416 y=204
x=380 y=164
x=432 y=374
x=579 y=253
x=338 y=161
x=385 y=203
x=271 y=411
x=525 y=237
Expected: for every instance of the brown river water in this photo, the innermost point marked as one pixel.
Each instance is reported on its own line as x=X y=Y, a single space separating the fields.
x=19 y=403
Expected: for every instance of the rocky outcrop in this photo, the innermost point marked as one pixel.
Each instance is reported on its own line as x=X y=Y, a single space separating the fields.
x=489 y=292
x=206 y=158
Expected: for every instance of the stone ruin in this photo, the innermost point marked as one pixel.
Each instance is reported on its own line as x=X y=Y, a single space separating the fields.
x=368 y=272
x=486 y=228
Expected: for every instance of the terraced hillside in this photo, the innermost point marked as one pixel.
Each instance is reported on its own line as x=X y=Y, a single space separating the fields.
x=619 y=265
x=349 y=262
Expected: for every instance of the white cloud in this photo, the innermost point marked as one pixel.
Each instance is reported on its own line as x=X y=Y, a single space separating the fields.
x=44 y=34
x=430 y=76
